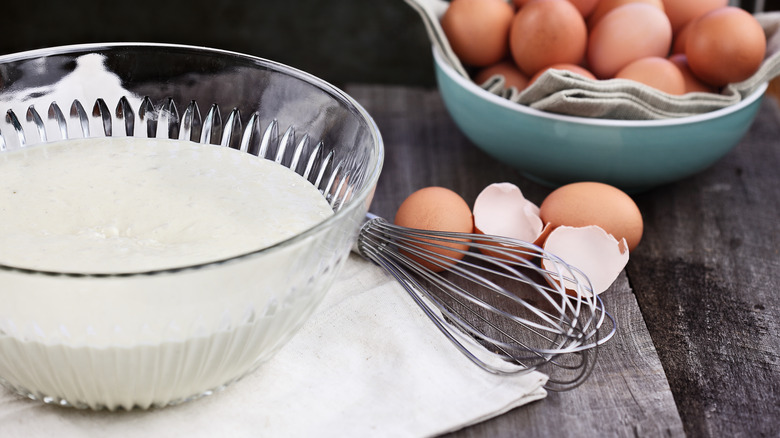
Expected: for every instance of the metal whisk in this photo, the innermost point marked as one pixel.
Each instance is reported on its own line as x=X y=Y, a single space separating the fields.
x=503 y=311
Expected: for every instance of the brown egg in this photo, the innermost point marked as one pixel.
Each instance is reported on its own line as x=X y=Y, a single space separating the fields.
x=436 y=209
x=478 y=30
x=605 y=6
x=513 y=77
x=692 y=83
x=585 y=7
x=681 y=12
x=568 y=67
x=680 y=37
x=546 y=32
x=725 y=45
x=592 y=203
x=656 y=72
x=625 y=34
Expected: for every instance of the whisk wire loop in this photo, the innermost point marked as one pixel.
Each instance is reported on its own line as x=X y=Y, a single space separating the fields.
x=493 y=300
x=463 y=298
x=432 y=311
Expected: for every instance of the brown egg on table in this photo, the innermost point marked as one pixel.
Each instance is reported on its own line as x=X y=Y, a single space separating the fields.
x=512 y=75
x=478 y=30
x=604 y=6
x=692 y=83
x=582 y=204
x=436 y=209
x=502 y=210
x=546 y=32
x=595 y=253
x=682 y=12
x=625 y=34
x=654 y=71
x=582 y=71
x=725 y=45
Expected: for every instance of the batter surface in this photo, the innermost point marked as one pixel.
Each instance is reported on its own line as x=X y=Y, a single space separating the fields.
x=133 y=204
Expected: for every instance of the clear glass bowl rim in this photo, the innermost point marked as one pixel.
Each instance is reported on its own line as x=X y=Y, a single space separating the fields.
x=356 y=202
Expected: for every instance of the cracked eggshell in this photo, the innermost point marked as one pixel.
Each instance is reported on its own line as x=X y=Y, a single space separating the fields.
x=502 y=210
x=590 y=249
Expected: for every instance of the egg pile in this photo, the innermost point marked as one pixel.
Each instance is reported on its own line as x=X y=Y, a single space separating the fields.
x=589 y=225
x=676 y=46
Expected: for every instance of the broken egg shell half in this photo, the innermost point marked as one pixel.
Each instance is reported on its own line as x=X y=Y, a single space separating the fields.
x=591 y=250
x=502 y=210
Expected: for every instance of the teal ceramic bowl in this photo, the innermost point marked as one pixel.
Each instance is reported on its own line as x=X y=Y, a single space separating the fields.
x=554 y=149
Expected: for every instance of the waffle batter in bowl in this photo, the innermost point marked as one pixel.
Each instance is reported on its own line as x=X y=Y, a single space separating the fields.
x=172 y=216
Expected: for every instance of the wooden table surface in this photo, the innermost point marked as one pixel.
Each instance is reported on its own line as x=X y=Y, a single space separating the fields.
x=697 y=351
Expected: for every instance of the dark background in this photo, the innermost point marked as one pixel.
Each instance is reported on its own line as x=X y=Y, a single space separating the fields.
x=341 y=41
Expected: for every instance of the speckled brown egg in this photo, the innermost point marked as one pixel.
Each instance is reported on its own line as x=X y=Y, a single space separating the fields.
x=625 y=34
x=546 y=32
x=436 y=209
x=654 y=71
x=682 y=12
x=512 y=75
x=583 y=204
x=478 y=30
x=725 y=45
x=582 y=71
x=604 y=6
x=585 y=7
x=692 y=83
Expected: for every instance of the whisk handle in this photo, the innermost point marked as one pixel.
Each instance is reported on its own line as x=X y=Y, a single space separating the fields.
x=369 y=218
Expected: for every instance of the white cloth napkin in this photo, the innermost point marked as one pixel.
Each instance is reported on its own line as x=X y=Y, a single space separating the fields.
x=368 y=363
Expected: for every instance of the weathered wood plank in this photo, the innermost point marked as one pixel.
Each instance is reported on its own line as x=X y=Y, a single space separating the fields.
x=706 y=278
x=627 y=393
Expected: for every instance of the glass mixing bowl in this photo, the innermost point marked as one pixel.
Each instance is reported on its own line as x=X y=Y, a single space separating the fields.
x=151 y=339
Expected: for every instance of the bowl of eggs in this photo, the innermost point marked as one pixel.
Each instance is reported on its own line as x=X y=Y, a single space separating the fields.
x=171 y=216
x=675 y=49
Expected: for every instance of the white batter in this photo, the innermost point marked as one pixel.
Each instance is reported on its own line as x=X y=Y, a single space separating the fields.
x=127 y=205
